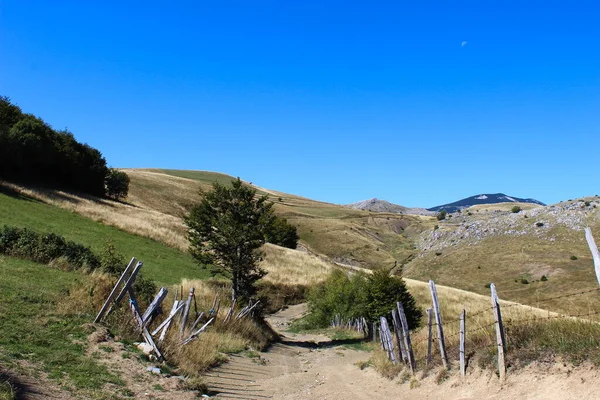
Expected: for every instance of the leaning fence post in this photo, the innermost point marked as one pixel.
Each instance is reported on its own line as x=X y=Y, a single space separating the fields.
x=462 y=342
x=594 y=250
x=112 y=294
x=406 y=337
x=429 y=338
x=399 y=335
x=386 y=340
x=500 y=339
x=438 y=320
x=186 y=311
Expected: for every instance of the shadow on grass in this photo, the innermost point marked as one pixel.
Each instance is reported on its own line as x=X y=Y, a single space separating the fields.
x=15 y=386
x=15 y=194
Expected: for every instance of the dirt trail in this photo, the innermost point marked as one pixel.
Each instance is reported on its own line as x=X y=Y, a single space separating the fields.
x=312 y=367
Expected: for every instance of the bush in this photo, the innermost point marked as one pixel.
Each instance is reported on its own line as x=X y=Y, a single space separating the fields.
x=441 y=215
x=281 y=233
x=45 y=248
x=360 y=295
x=117 y=184
x=539 y=224
x=544 y=278
x=573 y=257
x=515 y=209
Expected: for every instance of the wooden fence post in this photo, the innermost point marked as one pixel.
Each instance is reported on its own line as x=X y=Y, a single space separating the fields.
x=500 y=340
x=438 y=320
x=594 y=250
x=126 y=288
x=160 y=296
x=186 y=311
x=429 y=338
x=462 y=342
x=406 y=337
x=399 y=335
x=112 y=294
x=386 y=340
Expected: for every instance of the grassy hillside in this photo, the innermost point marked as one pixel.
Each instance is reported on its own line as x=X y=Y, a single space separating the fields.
x=514 y=250
x=163 y=263
x=345 y=235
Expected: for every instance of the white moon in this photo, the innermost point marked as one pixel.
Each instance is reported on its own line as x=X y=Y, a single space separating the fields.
x=464 y=43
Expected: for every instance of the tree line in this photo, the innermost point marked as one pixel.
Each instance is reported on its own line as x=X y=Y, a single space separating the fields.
x=31 y=151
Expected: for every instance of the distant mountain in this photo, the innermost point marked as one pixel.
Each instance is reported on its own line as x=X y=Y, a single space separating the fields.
x=482 y=199
x=378 y=205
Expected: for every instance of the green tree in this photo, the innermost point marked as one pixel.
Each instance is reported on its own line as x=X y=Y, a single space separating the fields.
x=117 y=184
x=515 y=209
x=282 y=233
x=226 y=230
x=360 y=295
x=441 y=215
x=383 y=292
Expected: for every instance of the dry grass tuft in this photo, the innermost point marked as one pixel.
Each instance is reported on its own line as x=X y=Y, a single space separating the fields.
x=384 y=366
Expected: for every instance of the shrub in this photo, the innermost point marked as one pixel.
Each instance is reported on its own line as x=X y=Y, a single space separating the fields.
x=441 y=215
x=539 y=224
x=515 y=209
x=524 y=281
x=360 y=295
x=45 y=248
x=117 y=184
x=573 y=257
x=544 y=278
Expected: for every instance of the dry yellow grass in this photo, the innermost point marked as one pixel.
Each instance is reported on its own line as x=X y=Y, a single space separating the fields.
x=294 y=267
x=210 y=347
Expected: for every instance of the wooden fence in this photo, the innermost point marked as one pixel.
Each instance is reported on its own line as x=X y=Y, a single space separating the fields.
x=402 y=352
x=181 y=311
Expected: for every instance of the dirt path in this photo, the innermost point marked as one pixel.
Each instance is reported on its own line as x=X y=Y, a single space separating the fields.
x=312 y=367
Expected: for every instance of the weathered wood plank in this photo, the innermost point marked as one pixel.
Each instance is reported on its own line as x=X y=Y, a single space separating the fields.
x=167 y=323
x=429 y=336
x=399 y=335
x=500 y=340
x=173 y=314
x=438 y=320
x=186 y=311
x=126 y=287
x=160 y=296
x=112 y=294
x=194 y=335
x=406 y=333
x=594 y=250
x=461 y=349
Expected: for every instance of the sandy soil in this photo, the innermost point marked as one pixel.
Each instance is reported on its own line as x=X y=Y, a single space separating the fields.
x=309 y=367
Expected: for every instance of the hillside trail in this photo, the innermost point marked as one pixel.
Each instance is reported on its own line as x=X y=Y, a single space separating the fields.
x=308 y=366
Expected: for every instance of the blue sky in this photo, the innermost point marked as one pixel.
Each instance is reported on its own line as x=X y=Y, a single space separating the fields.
x=333 y=100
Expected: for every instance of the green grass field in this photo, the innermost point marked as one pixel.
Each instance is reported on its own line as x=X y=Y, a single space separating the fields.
x=32 y=331
x=164 y=264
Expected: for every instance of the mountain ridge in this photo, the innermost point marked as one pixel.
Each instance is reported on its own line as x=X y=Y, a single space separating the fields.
x=484 y=198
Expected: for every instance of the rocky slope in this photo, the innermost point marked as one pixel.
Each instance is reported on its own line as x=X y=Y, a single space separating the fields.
x=377 y=205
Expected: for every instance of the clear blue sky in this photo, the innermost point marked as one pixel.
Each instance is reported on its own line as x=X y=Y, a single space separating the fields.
x=333 y=100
